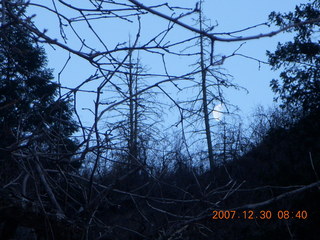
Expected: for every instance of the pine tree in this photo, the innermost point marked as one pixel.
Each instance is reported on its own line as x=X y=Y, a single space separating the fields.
x=299 y=87
x=34 y=122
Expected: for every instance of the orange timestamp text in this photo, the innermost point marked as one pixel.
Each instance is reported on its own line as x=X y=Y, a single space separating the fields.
x=261 y=214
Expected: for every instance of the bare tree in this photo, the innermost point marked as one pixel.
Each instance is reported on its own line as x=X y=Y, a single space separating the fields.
x=204 y=93
x=133 y=123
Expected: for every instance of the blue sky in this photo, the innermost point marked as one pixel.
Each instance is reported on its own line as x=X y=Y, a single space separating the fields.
x=230 y=15
x=234 y=15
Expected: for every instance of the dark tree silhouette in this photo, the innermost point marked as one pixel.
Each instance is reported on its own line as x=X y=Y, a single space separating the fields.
x=299 y=59
x=35 y=123
x=30 y=114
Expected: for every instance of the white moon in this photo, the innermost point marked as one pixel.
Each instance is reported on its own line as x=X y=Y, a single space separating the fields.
x=217 y=112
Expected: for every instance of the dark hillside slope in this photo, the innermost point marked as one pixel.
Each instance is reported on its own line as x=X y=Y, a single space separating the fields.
x=285 y=160
x=285 y=156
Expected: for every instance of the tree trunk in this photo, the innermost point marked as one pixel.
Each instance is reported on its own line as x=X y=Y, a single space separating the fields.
x=204 y=95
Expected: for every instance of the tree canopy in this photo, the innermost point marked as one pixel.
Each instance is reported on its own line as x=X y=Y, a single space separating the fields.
x=298 y=59
x=32 y=115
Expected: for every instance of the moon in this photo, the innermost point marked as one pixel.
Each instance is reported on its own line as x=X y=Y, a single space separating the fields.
x=217 y=112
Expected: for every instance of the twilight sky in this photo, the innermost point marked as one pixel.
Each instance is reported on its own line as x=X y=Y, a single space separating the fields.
x=230 y=15
x=234 y=15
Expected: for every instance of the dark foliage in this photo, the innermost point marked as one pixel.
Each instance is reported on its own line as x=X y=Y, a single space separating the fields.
x=280 y=163
x=299 y=59
x=285 y=159
x=30 y=114
x=36 y=126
